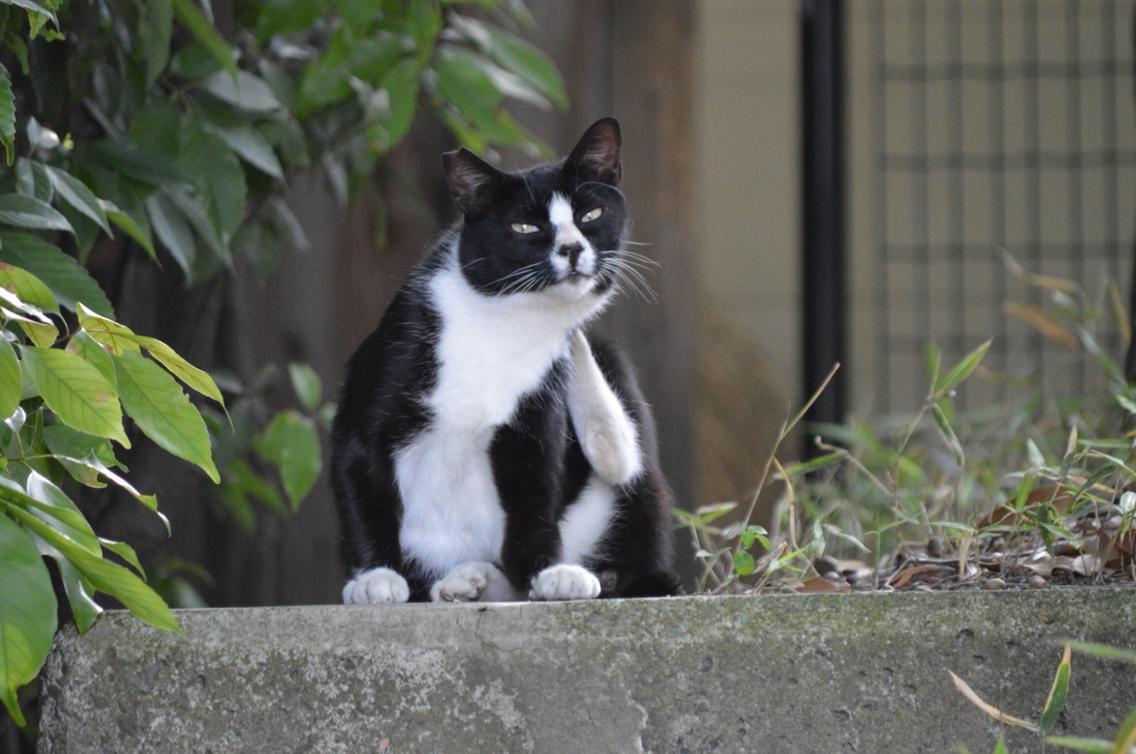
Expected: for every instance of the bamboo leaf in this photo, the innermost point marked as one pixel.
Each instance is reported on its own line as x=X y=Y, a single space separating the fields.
x=989 y=709
x=962 y=369
x=1057 y=693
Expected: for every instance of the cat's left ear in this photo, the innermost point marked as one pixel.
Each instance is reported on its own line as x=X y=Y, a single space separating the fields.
x=470 y=178
x=596 y=155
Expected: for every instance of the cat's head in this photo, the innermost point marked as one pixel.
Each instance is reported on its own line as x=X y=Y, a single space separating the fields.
x=557 y=228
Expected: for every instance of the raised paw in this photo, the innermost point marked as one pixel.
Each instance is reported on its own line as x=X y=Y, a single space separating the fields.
x=375 y=587
x=611 y=447
x=565 y=582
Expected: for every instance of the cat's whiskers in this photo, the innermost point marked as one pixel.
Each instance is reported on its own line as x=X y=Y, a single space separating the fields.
x=626 y=272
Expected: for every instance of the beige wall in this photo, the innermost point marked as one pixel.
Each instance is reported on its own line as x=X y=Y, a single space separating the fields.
x=747 y=202
x=746 y=121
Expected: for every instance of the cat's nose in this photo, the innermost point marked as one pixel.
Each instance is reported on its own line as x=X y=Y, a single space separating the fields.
x=571 y=251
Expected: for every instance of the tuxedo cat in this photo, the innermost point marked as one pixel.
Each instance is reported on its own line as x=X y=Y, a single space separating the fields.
x=485 y=448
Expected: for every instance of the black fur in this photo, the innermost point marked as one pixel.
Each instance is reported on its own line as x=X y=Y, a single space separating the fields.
x=538 y=465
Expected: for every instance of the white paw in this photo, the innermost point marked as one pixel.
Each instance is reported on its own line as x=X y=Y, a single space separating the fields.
x=464 y=583
x=613 y=450
x=376 y=586
x=565 y=582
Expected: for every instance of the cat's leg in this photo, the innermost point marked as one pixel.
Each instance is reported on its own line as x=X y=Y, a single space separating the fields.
x=470 y=582
x=368 y=503
x=608 y=436
x=527 y=457
x=634 y=553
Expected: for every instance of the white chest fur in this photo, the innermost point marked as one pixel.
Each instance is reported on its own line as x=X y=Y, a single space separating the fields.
x=491 y=352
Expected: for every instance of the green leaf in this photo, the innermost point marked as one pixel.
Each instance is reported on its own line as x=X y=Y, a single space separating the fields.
x=287 y=17
x=744 y=563
x=813 y=464
x=126 y=552
x=1104 y=651
x=753 y=533
x=27 y=287
x=35 y=7
x=84 y=609
x=219 y=181
x=137 y=228
x=48 y=503
x=248 y=144
x=69 y=281
x=9 y=380
x=27 y=212
x=173 y=231
x=77 y=392
x=962 y=369
x=194 y=20
x=39 y=329
x=78 y=195
x=424 y=22
x=93 y=352
x=291 y=442
x=27 y=613
x=67 y=443
x=243 y=91
x=466 y=84
x=1000 y=746
x=306 y=383
x=32 y=180
x=517 y=56
x=155 y=30
x=1125 y=739
x=106 y=577
x=714 y=511
x=402 y=85
x=194 y=378
x=163 y=412
x=1057 y=693
x=7 y=115
x=145 y=166
x=1080 y=743
x=120 y=339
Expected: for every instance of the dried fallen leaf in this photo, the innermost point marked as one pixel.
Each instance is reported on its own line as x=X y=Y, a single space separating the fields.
x=819 y=584
x=990 y=709
x=901 y=578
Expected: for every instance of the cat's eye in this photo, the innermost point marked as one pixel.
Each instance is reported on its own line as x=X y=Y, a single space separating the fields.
x=592 y=214
x=523 y=228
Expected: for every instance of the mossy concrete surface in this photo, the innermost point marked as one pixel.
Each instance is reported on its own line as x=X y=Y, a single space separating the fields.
x=791 y=673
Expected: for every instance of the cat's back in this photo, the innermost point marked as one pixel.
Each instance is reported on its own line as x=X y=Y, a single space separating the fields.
x=396 y=361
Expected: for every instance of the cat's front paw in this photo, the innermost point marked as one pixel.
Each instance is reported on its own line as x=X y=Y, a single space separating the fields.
x=464 y=583
x=612 y=448
x=565 y=582
x=375 y=587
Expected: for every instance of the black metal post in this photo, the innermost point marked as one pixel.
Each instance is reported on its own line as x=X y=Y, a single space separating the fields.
x=824 y=280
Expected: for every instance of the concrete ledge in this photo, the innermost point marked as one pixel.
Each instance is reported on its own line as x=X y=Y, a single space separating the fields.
x=809 y=673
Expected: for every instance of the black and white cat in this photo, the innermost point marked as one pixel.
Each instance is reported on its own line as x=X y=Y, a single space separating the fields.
x=484 y=446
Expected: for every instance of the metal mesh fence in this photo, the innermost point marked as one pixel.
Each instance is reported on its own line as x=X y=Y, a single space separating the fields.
x=997 y=126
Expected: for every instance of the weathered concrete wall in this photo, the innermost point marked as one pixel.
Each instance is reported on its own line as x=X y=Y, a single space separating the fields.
x=822 y=673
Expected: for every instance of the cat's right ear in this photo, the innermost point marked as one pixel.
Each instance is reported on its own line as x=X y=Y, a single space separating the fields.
x=470 y=178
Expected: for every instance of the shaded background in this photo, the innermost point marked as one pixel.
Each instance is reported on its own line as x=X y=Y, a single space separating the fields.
x=968 y=128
